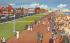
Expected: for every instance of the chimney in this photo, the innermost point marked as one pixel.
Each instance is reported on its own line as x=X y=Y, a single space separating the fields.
x=17 y=34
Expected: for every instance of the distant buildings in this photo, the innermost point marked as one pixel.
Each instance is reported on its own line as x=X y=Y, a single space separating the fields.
x=10 y=10
x=1 y=9
x=39 y=10
x=6 y=10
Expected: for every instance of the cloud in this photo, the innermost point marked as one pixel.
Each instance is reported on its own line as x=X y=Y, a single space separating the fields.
x=12 y=4
x=34 y=5
x=62 y=6
x=28 y=5
x=38 y=5
x=43 y=6
x=25 y=6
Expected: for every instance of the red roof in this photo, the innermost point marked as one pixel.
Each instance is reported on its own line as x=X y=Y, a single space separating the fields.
x=1 y=7
x=9 y=7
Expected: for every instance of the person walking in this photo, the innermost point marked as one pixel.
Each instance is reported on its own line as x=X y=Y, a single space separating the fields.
x=40 y=38
x=3 y=40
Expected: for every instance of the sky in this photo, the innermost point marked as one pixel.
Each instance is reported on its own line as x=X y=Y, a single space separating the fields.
x=42 y=3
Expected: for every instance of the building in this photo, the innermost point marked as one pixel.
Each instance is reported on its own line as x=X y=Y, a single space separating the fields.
x=31 y=10
x=43 y=10
x=37 y=10
x=10 y=9
x=1 y=8
x=40 y=10
x=7 y=10
x=24 y=11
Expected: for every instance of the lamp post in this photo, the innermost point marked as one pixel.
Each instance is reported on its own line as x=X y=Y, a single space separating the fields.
x=14 y=28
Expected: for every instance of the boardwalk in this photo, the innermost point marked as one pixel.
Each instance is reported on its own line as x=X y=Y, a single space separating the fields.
x=40 y=27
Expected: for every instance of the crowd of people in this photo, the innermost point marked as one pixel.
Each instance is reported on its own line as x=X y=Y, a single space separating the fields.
x=63 y=22
x=43 y=27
